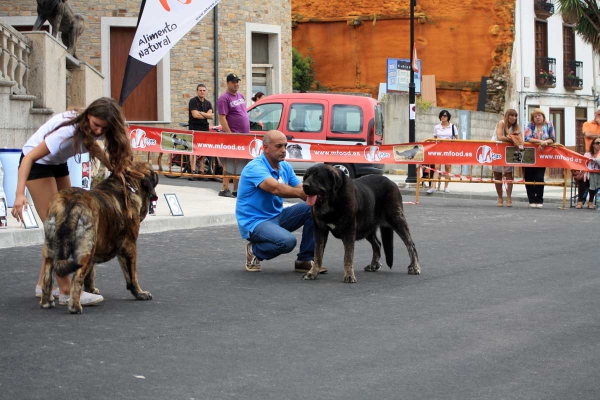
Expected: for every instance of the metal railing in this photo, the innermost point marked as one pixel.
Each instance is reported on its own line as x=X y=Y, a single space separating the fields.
x=14 y=58
x=543 y=8
x=573 y=71
x=545 y=74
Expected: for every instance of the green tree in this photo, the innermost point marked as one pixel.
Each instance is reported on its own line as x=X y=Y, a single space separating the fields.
x=587 y=15
x=303 y=72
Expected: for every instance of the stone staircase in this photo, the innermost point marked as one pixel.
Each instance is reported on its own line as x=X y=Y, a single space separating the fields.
x=38 y=78
x=19 y=118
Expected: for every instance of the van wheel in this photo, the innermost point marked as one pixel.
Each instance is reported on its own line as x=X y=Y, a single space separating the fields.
x=347 y=169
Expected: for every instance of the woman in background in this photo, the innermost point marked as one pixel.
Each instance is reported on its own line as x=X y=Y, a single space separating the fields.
x=443 y=130
x=539 y=131
x=507 y=130
x=258 y=96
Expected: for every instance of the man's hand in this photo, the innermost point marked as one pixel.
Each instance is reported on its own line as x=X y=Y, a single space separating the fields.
x=282 y=190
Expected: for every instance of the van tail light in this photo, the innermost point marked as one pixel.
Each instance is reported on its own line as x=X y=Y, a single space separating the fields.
x=371 y=138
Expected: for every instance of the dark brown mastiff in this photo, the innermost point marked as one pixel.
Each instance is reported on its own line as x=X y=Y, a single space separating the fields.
x=353 y=210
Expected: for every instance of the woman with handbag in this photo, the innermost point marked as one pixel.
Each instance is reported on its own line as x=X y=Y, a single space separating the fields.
x=539 y=131
x=443 y=130
x=507 y=130
x=589 y=181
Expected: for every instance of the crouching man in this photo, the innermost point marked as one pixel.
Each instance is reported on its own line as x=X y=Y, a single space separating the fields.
x=262 y=220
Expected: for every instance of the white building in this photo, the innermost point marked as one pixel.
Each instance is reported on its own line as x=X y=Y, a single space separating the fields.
x=553 y=69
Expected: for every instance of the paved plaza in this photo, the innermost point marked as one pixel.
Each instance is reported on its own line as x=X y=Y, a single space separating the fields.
x=506 y=308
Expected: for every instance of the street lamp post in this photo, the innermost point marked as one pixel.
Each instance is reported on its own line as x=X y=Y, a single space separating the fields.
x=412 y=169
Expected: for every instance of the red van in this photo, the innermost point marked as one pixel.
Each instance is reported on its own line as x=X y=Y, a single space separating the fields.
x=322 y=118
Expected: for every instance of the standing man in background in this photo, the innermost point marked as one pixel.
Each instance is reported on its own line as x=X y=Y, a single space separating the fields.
x=233 y=117
x=200 y=110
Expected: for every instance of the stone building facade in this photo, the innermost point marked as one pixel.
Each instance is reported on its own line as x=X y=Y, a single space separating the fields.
x=242 y=25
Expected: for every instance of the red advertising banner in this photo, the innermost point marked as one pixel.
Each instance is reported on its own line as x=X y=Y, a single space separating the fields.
x=460 y=152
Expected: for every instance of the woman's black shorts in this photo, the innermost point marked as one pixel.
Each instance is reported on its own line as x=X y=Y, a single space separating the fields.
x=39 y=171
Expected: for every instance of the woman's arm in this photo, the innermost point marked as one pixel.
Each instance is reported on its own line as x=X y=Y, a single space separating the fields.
x=101 y=155
x=41 y=150
x=500 y=133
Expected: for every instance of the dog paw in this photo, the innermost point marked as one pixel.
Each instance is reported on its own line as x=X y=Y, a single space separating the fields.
x=374 y=267
x=350 y=279
x=144 y=296
x=75 y=310
x=414 y=270
x=309 y=277
x=47 y=305
x=92 y=290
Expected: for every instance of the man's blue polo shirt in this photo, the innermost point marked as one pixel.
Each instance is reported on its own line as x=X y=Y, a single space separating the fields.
x=255 y=205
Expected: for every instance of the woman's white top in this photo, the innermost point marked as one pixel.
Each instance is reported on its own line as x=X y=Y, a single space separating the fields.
x=443 y=133
x=59 y=142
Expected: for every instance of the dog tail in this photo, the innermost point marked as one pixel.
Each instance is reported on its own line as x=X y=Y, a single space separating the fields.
x=65 y=267
x=61 y=229
x=387 y=239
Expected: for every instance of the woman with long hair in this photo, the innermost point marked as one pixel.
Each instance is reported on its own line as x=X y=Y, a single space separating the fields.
x=539 y=131
x=443 y=130
x=507 y=130
x=583 y=184
x=43 y=165
x=593 y=178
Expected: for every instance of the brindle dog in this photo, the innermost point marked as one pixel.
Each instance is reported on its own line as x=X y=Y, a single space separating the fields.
x=88 y=227
x=353 y=210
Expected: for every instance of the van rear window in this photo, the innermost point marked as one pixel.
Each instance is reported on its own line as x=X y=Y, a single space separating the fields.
x=346 y=119
x=305 y=118
x=265 y=117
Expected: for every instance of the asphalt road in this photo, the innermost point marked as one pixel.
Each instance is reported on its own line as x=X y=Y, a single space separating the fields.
x=506 y=308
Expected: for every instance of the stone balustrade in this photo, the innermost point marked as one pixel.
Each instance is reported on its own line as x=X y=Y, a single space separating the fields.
x=14 y=59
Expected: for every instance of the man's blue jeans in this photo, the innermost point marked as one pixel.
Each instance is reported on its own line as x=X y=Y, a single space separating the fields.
x=274 y=237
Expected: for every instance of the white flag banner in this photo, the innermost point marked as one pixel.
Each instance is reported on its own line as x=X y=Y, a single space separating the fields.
x=160 y=26
x=163 y=23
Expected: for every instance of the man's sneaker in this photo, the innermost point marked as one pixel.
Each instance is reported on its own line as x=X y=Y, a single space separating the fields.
x=430 y=191
x=38 y=291
x=446 y=190
x=252 y=263
x=226 y=193
x=305 y=266
x=234 y=193
x=86 y=299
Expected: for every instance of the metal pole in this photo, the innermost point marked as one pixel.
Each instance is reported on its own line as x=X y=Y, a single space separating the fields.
x=412 y=170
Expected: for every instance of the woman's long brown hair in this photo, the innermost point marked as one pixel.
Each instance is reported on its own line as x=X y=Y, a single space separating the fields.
x=507 y=126
x=117 y=142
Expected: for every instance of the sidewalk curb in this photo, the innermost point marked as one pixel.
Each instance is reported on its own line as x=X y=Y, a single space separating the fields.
x=31 y=237
x=471 y=196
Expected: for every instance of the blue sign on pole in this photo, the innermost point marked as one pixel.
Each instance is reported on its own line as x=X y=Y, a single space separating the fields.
x=398 y=75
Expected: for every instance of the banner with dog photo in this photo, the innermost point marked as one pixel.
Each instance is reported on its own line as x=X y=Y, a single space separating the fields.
x=161 y=23
x=459 y=152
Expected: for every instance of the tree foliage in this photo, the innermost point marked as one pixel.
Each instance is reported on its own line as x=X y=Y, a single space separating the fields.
x=303 y=72
x=587 y=16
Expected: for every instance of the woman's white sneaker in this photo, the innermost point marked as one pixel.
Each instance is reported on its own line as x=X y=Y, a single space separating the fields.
x=86 y=299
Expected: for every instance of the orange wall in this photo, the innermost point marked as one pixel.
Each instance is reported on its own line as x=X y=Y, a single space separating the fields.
x=459 y=43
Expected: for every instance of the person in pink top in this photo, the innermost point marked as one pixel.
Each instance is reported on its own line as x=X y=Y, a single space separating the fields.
x=233 y=117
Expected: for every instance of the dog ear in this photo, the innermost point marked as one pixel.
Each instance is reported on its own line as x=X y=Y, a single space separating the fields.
x=149 y=183
x=338 y=179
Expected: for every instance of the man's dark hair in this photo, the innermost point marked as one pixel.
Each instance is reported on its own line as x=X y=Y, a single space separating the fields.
x=200 y=85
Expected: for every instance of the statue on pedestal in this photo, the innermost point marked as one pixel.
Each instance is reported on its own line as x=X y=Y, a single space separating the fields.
x=62 y=19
